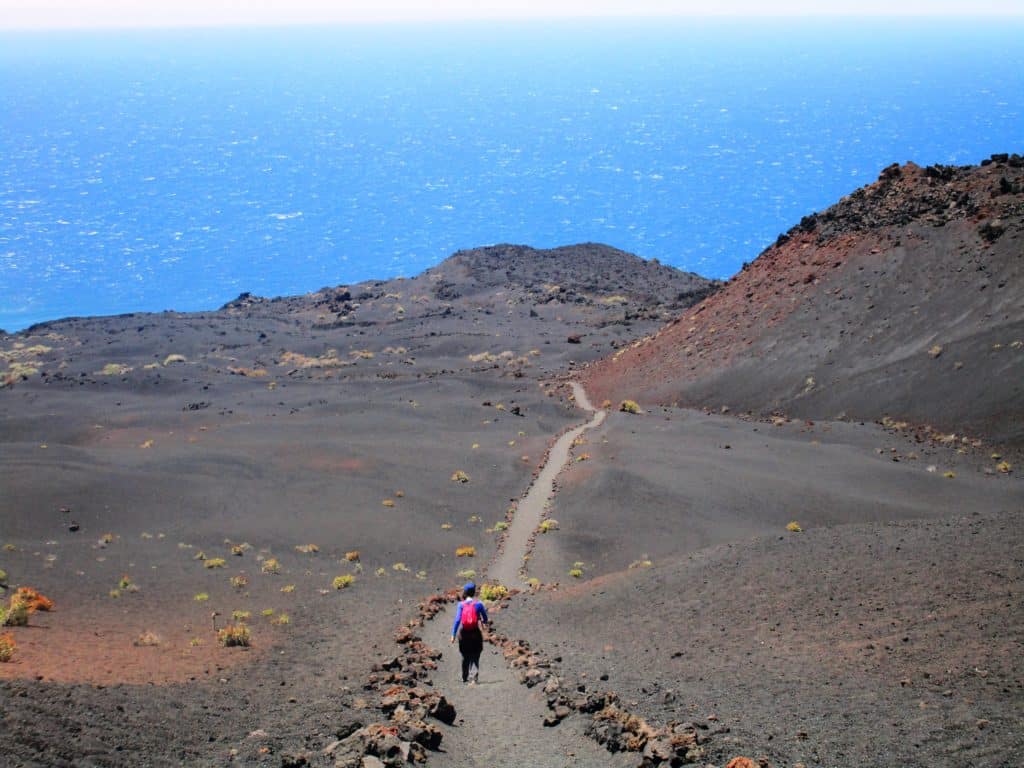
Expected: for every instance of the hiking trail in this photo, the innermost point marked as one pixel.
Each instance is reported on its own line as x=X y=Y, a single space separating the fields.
x=499 y=720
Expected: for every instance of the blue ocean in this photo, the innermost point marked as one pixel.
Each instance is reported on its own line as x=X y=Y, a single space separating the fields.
x=173 y=169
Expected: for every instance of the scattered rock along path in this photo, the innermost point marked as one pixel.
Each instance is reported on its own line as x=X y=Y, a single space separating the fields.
x=499 y=720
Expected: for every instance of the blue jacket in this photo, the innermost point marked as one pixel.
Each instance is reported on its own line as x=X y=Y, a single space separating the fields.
x=481 y=616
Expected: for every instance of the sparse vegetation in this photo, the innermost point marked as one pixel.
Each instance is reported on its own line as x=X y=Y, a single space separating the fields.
x=388 y=502
x=794 y=527
x=629 y=406
x=1005 y=467
x=307 y=549
x=576 y=572
x=643 y=562
x=328 y=359
x=237 y=616
x=202 y=597
x=7 y=647
x=343 y=582
x=174 y=358
x=266 y=613
x=214 y=562
x=465 y=551
x=381 y=572
x=949 y=475
x=288 y=588
x=271 y=565
x=353 y=556
x=501 y=525
x=234 y=635
x=458 y=476
x=146 y=640
x=546 y=526
x=493 y=592
x=446 y=526
x=583 y=457
x=239 y=582
x=281 y=620
x=16 y=614
x=401 y=567
x=114 y=369
x=32 y=599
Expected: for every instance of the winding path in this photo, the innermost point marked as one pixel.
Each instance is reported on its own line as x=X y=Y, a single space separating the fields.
x=500 y=721
x=505 y=568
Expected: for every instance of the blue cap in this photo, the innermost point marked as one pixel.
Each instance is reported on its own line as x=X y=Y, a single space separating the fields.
x=469 y=585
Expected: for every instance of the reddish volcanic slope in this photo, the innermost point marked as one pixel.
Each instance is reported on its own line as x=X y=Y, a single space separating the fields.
x=905 y=299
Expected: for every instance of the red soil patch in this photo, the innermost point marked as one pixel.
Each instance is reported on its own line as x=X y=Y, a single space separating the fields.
x=54 y=650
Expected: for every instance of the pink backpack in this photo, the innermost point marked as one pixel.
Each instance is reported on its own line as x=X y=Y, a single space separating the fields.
x=469 y=618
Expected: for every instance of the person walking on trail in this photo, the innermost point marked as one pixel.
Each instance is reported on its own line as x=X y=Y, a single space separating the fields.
x=470 y=616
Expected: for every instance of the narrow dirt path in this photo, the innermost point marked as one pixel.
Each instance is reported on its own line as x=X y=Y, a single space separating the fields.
x=505 y=568
x=500 y=721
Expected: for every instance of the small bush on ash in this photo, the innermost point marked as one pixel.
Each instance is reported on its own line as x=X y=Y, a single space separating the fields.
x=7 y=646
x=234 y=635
x=343 y=582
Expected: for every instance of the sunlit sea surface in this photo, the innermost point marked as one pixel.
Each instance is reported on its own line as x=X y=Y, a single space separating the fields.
x=174 y=169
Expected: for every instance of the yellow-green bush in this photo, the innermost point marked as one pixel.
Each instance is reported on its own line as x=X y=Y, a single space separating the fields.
x=234 y=635
x=343 y=582
x=493 y=592
x=7 y=646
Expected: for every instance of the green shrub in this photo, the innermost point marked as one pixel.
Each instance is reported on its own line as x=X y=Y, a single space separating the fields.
x=343 y=582
x=493 y=592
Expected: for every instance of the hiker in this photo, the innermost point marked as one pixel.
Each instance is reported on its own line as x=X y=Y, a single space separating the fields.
x=469 y=617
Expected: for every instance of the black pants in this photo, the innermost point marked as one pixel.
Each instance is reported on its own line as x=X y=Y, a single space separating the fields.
x=471 y=645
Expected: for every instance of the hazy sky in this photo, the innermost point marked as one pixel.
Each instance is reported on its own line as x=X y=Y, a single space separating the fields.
x=130 y=13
